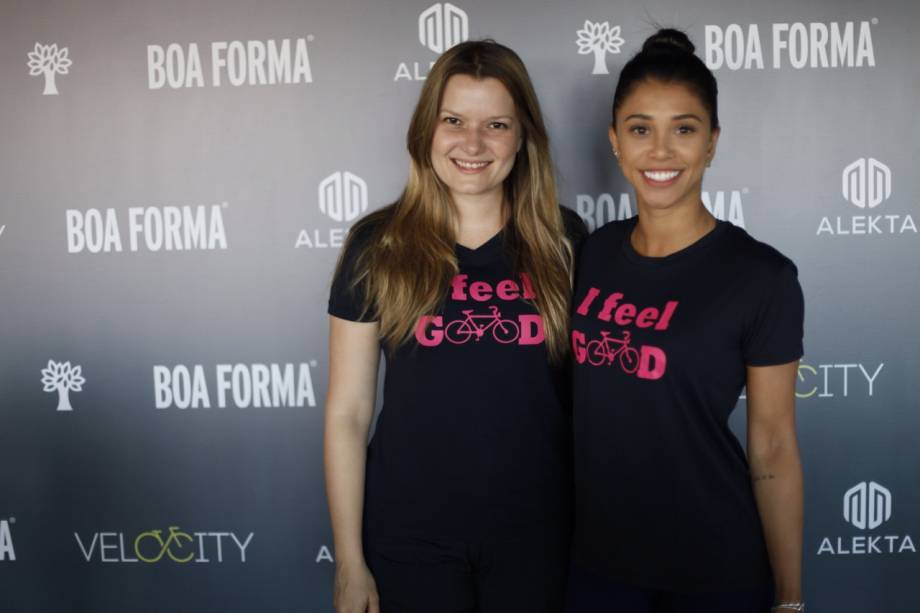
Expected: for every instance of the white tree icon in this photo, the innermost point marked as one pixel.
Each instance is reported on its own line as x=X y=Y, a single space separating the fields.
x=62 y=378
x=600 y=39
x=49 y=61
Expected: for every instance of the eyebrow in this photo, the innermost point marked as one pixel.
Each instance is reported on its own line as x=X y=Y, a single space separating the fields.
x=674 y=118
x=450 y=112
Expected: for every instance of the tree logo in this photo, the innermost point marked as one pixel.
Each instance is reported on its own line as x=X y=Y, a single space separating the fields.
x=443 y=25
x=867 y=183
x=62 y=378
x=48 y=60
x=600 y=39
x=343 y=196
x=867 y=505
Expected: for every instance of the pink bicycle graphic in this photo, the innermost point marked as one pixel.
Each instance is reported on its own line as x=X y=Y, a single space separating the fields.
x=608 y=349
x=460 y=331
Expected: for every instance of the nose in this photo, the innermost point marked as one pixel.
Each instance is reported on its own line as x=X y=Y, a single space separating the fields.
x=662 y=146
x=472 y=141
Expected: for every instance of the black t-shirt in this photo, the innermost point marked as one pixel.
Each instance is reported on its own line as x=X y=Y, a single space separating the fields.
x=473 y=440
x=663 y=491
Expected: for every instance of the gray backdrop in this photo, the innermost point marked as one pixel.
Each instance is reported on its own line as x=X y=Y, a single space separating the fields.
x=177 y=178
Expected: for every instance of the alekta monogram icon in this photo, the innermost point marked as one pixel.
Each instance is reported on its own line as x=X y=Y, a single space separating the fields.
x=443 y=25
x=867 y=505
x=343 y=196
x=866 y=183
x=49 y=61
x=599 y=39
x=62 y=378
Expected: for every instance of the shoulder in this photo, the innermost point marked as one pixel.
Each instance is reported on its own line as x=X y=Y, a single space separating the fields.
x=608 y=236
x=575 y=229
x=758 y=257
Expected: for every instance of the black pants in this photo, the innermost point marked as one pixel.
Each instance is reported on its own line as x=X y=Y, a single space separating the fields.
x=590 y=593
x=417 y=575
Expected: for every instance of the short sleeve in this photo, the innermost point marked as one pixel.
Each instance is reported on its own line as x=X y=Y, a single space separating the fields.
x=774 y=334
x=347 y=300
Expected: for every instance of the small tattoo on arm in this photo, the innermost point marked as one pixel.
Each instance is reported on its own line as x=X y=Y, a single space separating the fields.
x=757 y=478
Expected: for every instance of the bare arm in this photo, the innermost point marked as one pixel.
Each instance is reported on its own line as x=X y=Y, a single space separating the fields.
x=776 y=471
x=354 y=356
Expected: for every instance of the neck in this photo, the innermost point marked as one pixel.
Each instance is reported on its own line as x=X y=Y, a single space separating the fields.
x=479 y=218
x=661 y=232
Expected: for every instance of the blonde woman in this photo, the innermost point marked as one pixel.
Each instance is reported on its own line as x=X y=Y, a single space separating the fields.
x=461 y=502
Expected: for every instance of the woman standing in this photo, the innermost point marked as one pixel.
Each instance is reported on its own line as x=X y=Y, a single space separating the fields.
x=461 y=501
x=674 y=313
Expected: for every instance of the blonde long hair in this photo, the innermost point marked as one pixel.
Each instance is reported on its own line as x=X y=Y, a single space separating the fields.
x=410 y=259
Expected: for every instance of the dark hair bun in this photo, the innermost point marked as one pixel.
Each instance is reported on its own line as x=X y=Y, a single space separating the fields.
x=668 y=40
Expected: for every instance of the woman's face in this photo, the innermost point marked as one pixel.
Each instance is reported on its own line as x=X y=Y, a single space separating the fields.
x=665 y=142
x=476 y=138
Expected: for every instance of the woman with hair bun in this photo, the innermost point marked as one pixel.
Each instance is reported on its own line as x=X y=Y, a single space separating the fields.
x=461 y=502
x=675 y=313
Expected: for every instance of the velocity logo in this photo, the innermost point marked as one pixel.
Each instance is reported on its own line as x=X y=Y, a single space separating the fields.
x=49 y=61
x=866 y=183
x=831 y=380
x=63 y=378
x=342 y=197
x=235 y=63
x=600 y=39
x=173 y=546
x=7 y=552
x=867 y=506
x=441 y=26
x=798 y=45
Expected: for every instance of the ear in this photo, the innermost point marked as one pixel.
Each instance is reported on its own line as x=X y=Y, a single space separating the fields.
x=713 y=141
x=612 y=135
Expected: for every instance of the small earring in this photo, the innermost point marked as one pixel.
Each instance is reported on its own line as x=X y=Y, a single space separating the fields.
x=616 y=153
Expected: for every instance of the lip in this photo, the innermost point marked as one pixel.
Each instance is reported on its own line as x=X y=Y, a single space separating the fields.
x=653 y=182
x=481 y=165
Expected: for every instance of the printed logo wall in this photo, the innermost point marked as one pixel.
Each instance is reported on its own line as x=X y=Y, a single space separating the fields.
x=154 y=371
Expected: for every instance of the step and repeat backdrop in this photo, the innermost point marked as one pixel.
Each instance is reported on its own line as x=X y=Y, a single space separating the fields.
x=176 y=182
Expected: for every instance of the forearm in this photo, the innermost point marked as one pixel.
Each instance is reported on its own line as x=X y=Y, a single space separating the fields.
x=345 y=453
x=776 y=475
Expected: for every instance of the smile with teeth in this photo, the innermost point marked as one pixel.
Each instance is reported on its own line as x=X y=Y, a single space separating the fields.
x=467 y=165
x=661 y=176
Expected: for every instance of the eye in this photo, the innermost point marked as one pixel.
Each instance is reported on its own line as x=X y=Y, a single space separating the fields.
x=686 y=129
x=451 y=120
x=639 y=130
x=500 y=125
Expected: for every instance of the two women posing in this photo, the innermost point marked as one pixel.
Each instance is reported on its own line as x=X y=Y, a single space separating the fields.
x=463 y=501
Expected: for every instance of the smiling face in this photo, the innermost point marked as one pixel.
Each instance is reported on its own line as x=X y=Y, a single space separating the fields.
x=476 y=139
x=665 y=141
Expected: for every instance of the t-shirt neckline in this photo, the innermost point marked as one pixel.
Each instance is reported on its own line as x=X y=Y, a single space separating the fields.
x=483 y=252
x=694 y=248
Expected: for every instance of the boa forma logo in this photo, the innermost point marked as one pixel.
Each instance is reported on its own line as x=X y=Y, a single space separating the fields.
x=7 y=551
x=49 y=61
x=441 y=26
x=63 y=378
x=600 y=39
x=234 y=63
x=794 y=45
x=726 y=205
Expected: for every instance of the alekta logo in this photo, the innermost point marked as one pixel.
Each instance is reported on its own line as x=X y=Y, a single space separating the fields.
x=342 y=196
x=440 y=27
x=7 y=552
x=63 y=378
x=443 y=25
x=866 y=183
x=171 y=546
x=600 y=39
x=867 y=506
x=49 y=61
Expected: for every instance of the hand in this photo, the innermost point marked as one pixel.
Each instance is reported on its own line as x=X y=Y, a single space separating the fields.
x=355 y=590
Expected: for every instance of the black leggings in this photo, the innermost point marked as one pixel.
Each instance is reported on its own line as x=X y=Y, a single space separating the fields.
x=421 y=575
x=591 y=593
